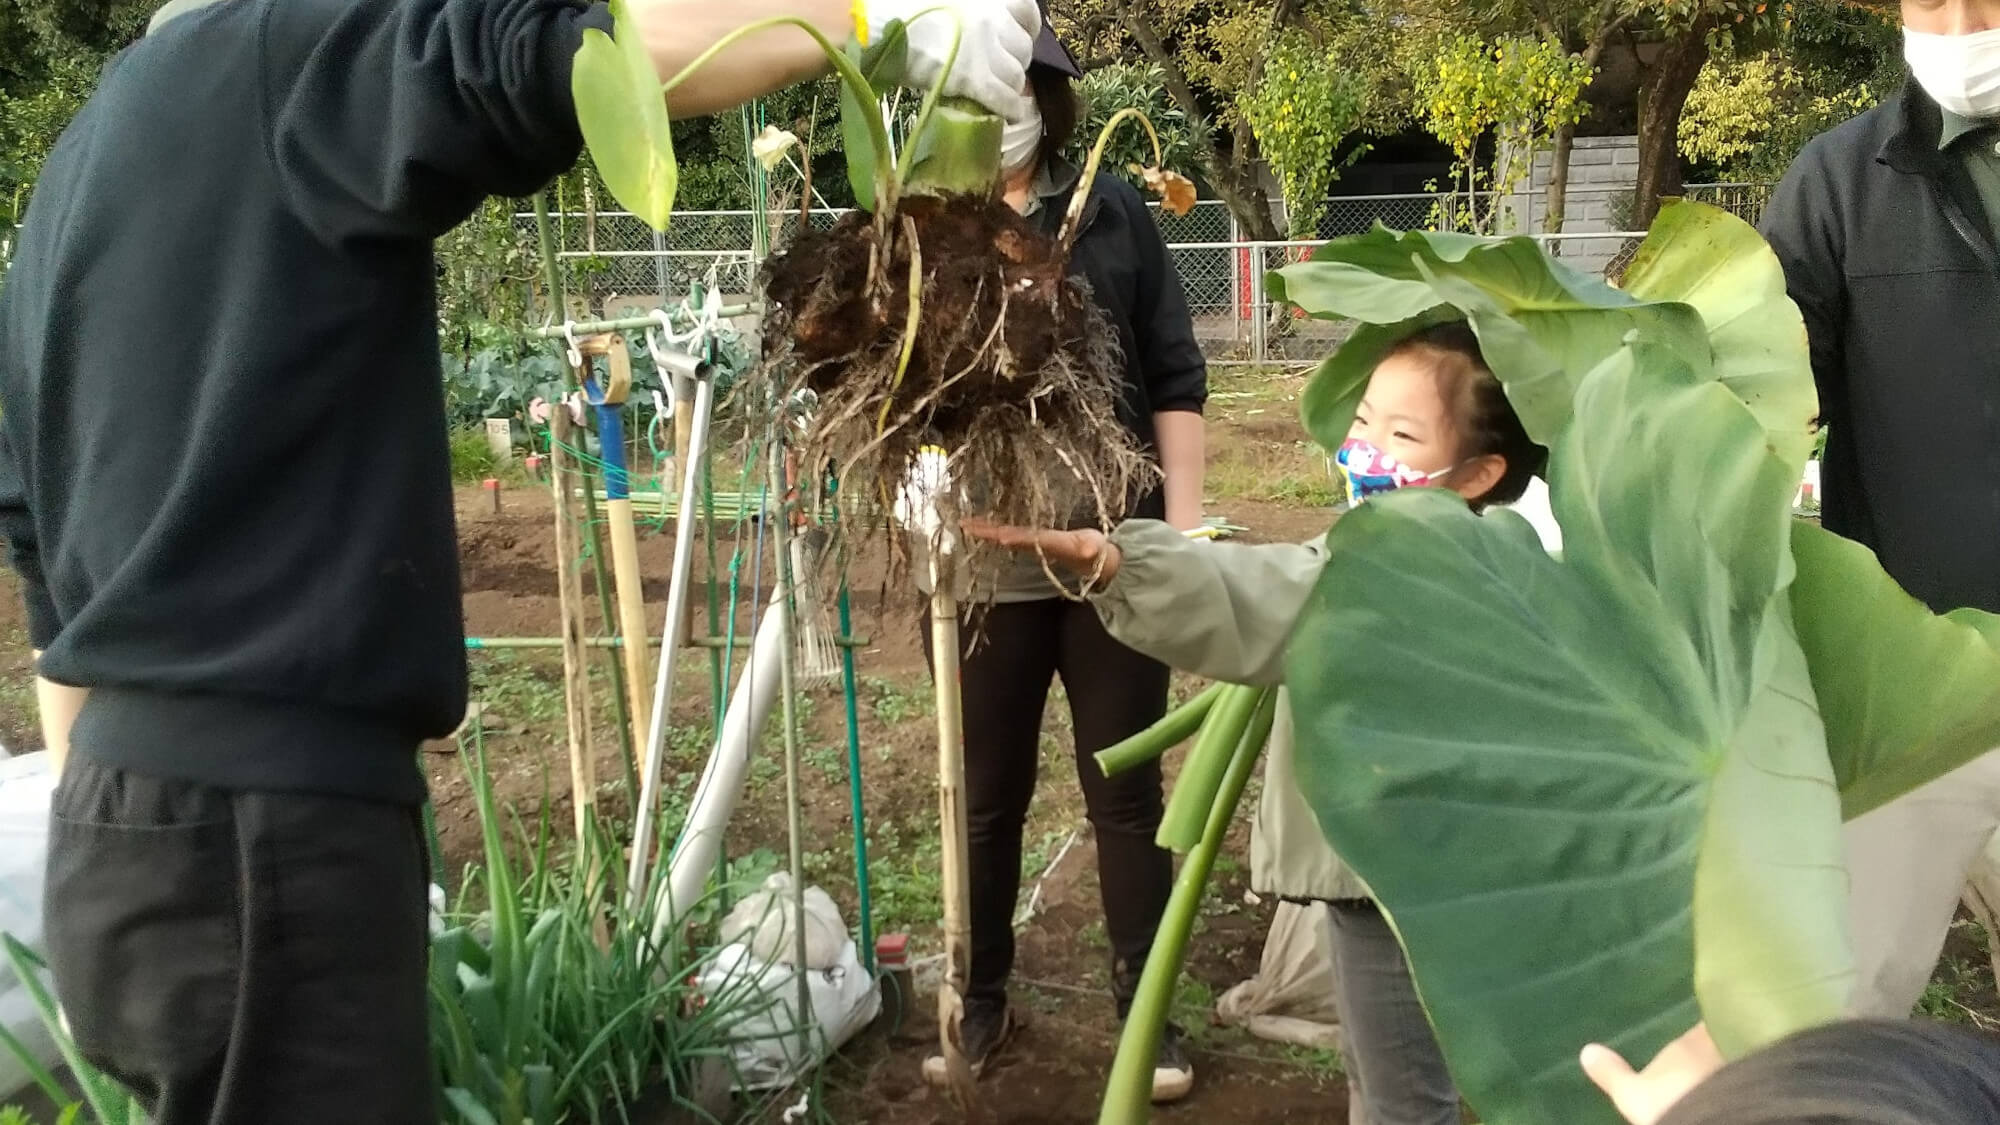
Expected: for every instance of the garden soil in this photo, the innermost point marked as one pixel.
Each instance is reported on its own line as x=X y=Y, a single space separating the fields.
x=1053 y=1072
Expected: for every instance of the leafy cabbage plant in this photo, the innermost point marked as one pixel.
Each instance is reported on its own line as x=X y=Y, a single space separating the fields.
x=1600 y=795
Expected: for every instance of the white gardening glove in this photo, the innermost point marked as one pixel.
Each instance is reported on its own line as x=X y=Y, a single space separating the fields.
x=998 y=40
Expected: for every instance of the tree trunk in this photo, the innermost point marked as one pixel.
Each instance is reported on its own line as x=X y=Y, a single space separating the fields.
x=1558 y=190
x=1234 y=177
x=1609 y=24
x=1661 y=99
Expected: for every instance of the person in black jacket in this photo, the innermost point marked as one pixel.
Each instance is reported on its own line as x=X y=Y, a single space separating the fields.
x=255 y=581
x=1886 y=229
x=1034 y=631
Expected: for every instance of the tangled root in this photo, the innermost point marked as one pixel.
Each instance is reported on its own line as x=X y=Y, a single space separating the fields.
x=1012 y=368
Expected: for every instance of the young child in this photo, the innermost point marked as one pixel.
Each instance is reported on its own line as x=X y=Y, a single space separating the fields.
x=1433 y=416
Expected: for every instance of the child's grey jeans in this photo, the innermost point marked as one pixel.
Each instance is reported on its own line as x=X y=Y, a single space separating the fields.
x=1395 y=1068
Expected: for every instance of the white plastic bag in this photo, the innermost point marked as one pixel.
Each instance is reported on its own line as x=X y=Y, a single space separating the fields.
x=1291 y=999
x=767 y=1049
x=26 y=784
x=763 y=924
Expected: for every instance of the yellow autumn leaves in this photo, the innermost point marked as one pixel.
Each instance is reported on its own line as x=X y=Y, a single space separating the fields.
x=1516 y=84
x=1301 y=122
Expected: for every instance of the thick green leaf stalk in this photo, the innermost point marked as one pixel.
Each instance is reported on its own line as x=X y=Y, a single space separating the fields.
x=1207 y=764
x=958 y=153
x=1128 y=1094
x=1153 y=742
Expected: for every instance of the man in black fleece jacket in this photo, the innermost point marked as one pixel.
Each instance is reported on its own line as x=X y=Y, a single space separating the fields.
x=225 y=486
x=1889 y=231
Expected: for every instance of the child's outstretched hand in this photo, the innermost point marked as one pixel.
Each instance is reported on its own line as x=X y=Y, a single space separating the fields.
x=1645 y=1096
x=1087 y=552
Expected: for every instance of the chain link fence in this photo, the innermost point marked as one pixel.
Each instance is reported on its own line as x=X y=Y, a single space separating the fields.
x=620 y=263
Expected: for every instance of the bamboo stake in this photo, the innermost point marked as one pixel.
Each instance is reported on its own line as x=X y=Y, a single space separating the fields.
x=576 y=679
x=955 y=844
x=684 y=394
x=625 y=577
x=552 y=277
x=783 y=605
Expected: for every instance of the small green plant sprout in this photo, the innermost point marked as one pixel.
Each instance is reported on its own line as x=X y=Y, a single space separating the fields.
x=104 y=1099
x=936 y=316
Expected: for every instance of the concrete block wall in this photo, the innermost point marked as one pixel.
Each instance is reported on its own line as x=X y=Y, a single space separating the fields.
x=1603 y=171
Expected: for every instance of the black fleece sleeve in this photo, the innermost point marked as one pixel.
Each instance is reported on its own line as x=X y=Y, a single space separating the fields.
x=1801 y=226
x=396 y=118
x=1176 y=372
x=17 y=527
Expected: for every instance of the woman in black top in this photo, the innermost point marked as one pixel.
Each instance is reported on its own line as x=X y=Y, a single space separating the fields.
x=1033 y=633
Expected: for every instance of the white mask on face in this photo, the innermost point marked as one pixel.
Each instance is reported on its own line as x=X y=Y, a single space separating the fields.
x=1020 y=141
x=1959 y=72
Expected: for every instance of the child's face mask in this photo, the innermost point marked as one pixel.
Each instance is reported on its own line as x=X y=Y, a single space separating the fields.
x=1369 y=471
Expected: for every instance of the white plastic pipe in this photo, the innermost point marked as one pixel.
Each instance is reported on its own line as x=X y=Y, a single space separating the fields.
x=715 y=799
x=679 y=591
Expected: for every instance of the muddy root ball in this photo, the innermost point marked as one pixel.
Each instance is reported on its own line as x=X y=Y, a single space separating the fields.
x=1013 y=370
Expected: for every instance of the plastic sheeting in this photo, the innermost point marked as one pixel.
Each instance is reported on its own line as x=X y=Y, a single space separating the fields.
x=1291 y=999
x=26 y=784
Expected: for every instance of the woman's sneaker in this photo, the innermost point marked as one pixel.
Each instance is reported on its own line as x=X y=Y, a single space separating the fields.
x=1173 y=1074
x=985 y=1031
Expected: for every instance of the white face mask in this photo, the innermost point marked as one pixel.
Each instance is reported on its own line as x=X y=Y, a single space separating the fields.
x=1020 y=141
x=1959 y=72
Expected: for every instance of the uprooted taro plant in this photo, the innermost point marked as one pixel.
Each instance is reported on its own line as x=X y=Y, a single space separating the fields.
x=935 y=316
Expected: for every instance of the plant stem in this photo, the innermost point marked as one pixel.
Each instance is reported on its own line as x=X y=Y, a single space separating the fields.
x=1128 y=1093
x=954 y=845
x=931 y=96
x=1202 y=774
x=959 y=153
x=878 y=134
x=1074 y=219
x=1149 y=744
x=910 y=325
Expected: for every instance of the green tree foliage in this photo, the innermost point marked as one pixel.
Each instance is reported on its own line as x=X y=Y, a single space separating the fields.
x=1748 y=118
x=50 y=54
x=715 y=153
x=1211 y=54
x=1523 y=88
x=1302 y=113
x=1107 y=90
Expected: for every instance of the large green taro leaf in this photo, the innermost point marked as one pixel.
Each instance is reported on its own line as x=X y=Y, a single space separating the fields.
x=1907 y=695
x=1704 y=286
x=1584 y=789
x=622 y=109
x=1706 y=257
